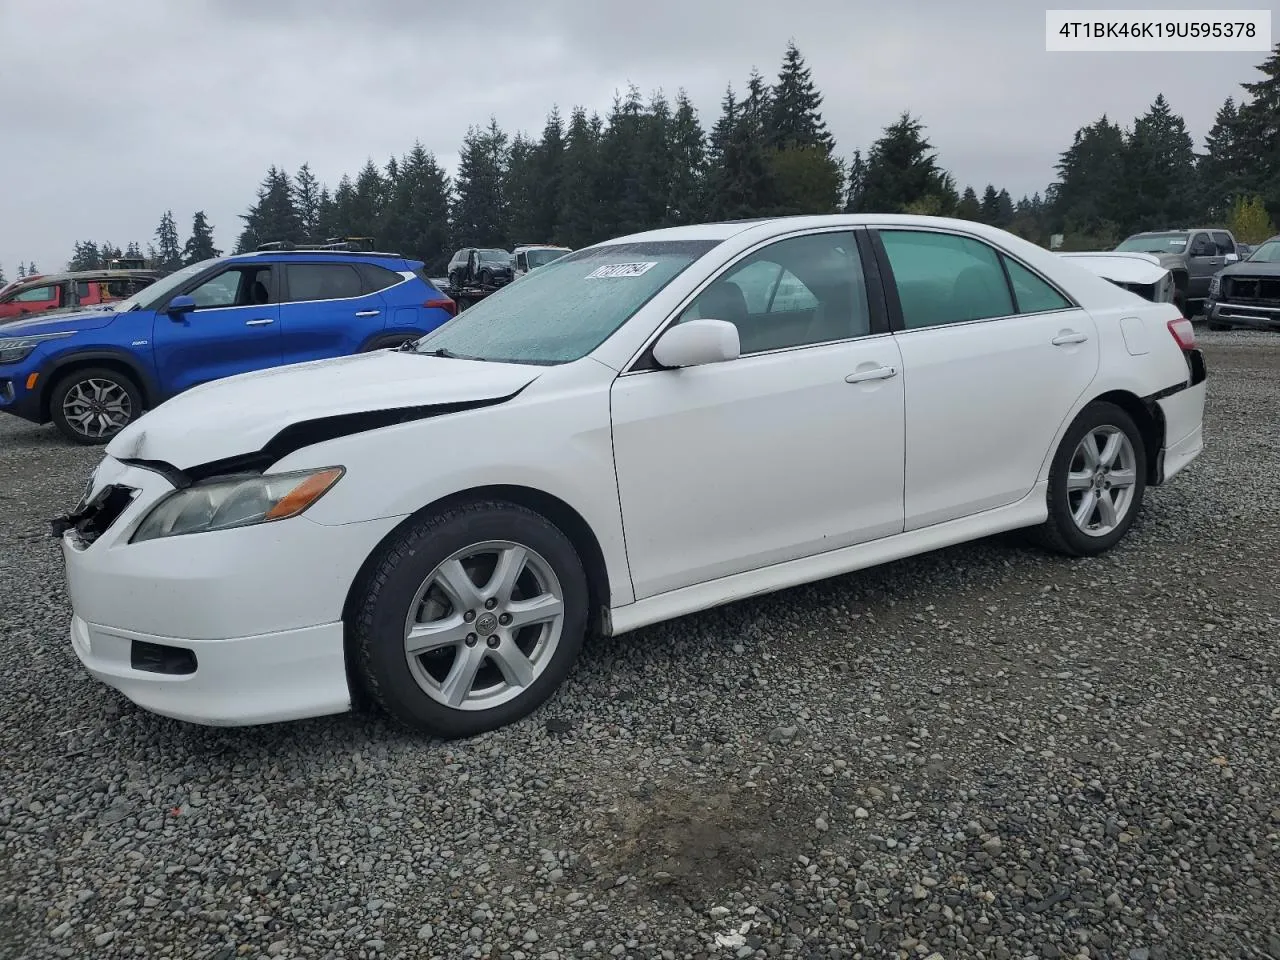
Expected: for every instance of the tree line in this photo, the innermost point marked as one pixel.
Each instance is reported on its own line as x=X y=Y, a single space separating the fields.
x=650 y=163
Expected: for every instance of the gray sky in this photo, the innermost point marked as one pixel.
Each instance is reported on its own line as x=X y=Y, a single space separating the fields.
x=114 y=112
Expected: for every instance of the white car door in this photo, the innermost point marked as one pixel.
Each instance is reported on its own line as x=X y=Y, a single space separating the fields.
x=995 y=357
x=793 y=449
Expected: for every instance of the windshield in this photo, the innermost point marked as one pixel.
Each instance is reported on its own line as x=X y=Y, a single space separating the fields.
x=495 y=256
x=1155 y=243
x=1269 y=252
x=540 y=258
x=565 y=310
x=160 y=290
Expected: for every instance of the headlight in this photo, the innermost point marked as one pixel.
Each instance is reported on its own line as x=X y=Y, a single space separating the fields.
x=19 y=348
x=230 y=502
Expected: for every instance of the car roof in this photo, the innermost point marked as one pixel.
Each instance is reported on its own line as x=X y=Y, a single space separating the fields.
x=85 y=275
x=767 y=226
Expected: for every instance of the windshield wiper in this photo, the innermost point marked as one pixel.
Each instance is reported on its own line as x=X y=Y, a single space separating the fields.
x=443 y=354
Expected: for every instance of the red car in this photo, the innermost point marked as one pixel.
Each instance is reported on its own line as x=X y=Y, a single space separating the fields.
x=63 y=291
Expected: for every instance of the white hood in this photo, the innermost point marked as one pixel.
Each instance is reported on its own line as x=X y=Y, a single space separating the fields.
x=1122 y=266
x=238 y=415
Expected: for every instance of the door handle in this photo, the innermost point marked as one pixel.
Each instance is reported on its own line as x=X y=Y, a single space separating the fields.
x=367 y=313
x=878 y=373
x=259 y=323
x=1062 y=339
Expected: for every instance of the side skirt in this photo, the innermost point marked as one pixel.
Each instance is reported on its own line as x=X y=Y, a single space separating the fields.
x=1027 y=512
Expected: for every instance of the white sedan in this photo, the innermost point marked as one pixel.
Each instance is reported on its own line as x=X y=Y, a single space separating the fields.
x=645 y=428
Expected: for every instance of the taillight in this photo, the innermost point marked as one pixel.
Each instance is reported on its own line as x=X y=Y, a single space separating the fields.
x=445 y=304
x=1183 y=332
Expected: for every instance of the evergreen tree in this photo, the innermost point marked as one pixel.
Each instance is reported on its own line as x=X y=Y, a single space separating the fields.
x=742 y=182
x=521 y=186
x=479 y=212
x=31 y=269
x=902 y=169
x=1160 y=171
x=656 y=162
x=273 y=217
x=22 y=271
x=109 y=252
x=686 y=199
x=990 y=205
x=548 y=164
x=168 y=253
x=855 y=184
x=325 y=223
x=344 y=209
x=131 y=250
x=3 y=281
x=1004 y=209
x=199 y=245
x=622 y=207
x=969 y=208
x=85 y=257
x=418 y=221
x=365 y=217
x=1224 y=169
x=577 y=219
x=306 y=193
x=794 y=108
x=1090 y=194
x=1260 y=120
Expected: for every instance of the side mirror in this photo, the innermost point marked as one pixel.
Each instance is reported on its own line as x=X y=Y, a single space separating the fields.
x=697 y=342
x=1232 y=258
x=180 y=306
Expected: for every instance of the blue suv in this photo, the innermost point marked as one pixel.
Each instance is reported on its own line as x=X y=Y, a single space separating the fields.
x=93 y=372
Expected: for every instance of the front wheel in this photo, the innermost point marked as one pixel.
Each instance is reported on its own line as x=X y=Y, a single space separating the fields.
x=91 y=406
x=1096 y=482
x=469 y=619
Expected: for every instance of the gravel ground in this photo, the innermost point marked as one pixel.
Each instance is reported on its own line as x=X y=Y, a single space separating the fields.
x=986 y=752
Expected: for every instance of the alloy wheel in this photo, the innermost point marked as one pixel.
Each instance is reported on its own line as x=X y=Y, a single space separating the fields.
x=484 y=625
x=97 y=408
x=1101 y=480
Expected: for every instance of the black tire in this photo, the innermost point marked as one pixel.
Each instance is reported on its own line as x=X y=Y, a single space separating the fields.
x=376 y=622
x=83 y=378
x=391 y=340
x=1059 y=532
x=485 y=279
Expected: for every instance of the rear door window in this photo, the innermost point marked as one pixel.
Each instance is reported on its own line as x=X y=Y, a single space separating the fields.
x=943 y=278
x=323 y=281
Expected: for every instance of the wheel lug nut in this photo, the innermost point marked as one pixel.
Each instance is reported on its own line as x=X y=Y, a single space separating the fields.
x=492 y=641
x=505 y=619
x=490 y=603
x=471 y=639
x=469 y=616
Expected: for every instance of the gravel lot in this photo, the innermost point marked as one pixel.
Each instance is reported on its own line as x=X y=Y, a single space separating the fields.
x=986 y=752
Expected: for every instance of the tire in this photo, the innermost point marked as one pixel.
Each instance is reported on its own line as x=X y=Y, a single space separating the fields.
x=115 y=394
x=405 y=589
x=1061 y=532
x=485 y=279
x=391 y=341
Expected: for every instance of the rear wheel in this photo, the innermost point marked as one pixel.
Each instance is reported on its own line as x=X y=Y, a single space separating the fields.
x=92 y=405
x=470 y=619
x=1096 y=482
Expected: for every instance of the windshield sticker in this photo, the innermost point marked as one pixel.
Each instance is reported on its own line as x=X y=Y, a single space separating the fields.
x=613 y=270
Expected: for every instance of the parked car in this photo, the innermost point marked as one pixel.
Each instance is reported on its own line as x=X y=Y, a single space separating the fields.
x=67 y=291
x=1140 y=273
x=1192 y=256
x=92 y=372
x=480 y=267
x=634 y=432
x=1247 y=294
x=531 y=257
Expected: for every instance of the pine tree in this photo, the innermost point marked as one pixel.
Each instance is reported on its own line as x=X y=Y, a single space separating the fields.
x=548 y=164
x=3 y=281
x=344 y=209
x=199 y=245
x=1089 y=197
x=168 y=253
x=31 y=269
x=1224 y=169
x=1260 y=119
x=418 y=213
x=794 y=110
x=520 y=188
x=855 y=184
x=369 y=202
x=273 y=217
x=969 y=208
x=577 y=219
x=131 y=250
x=306 y=193
x=22 y=271
x=325 y=224
x=1159 y=171
x=1004 y=209
x=902 y=169
x=686 y=199
x=990 y=204
x=742 y=182
x=622 y=206
x=479 y=212
x=85 y=257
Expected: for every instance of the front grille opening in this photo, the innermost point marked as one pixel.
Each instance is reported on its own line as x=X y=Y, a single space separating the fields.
x=161 y=658
x=97 y=518
x=1264 y=289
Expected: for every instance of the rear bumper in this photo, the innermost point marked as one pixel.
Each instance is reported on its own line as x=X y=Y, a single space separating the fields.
x=1239 y=315
x=1183 y=415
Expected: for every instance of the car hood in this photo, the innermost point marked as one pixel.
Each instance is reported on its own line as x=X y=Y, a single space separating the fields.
x=57 y=322
x=1122 y=267
x=241 y=415
x=1257 y=268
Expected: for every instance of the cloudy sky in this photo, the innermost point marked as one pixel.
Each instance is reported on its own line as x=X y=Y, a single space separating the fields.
x=115 y=111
